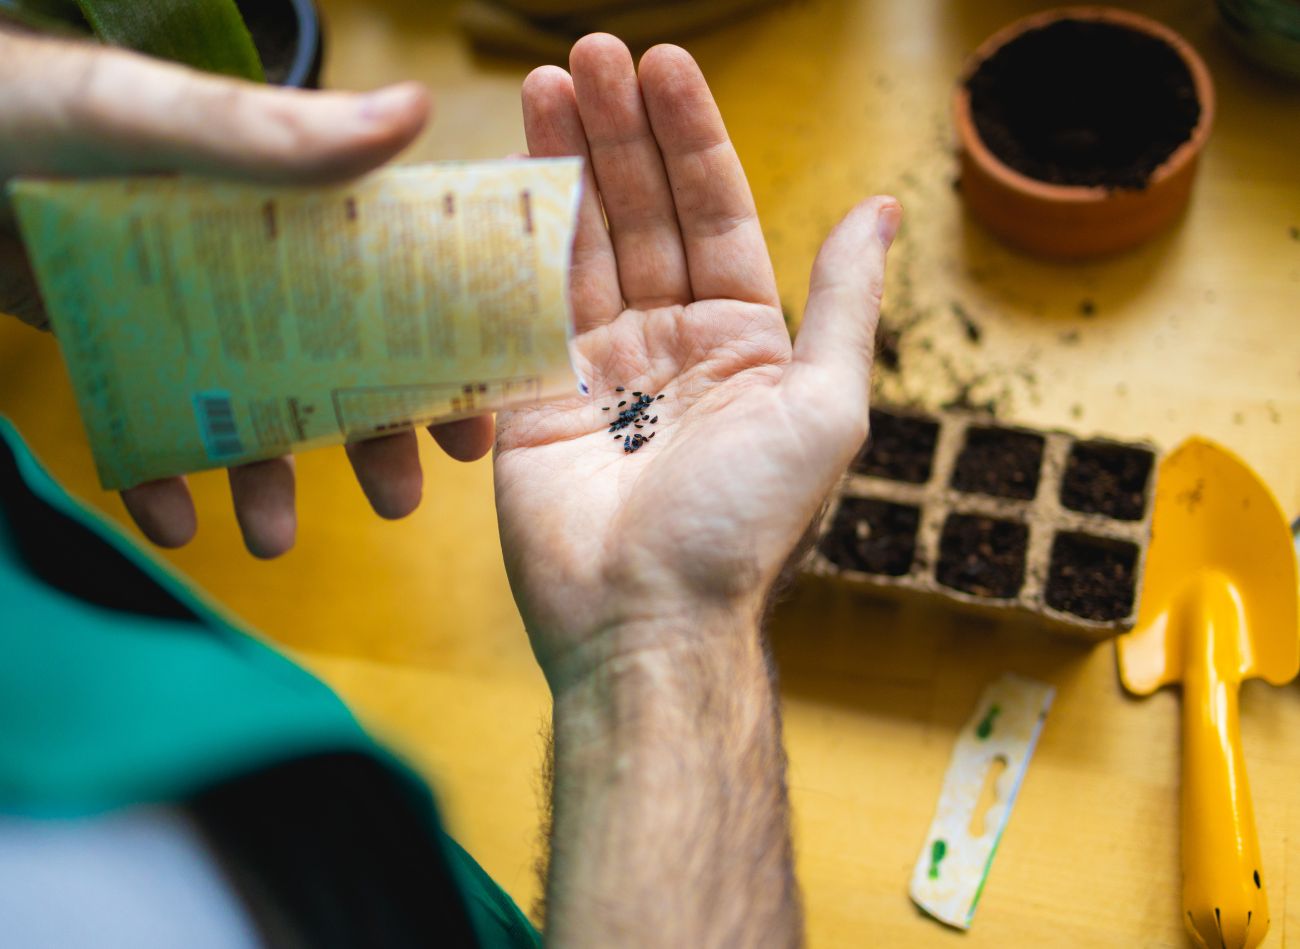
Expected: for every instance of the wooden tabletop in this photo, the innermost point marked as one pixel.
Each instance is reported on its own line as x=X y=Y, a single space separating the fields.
x=828 y=101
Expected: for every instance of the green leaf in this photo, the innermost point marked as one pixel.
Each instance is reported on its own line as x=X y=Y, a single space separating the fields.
x=48 y=16
x=206 y=34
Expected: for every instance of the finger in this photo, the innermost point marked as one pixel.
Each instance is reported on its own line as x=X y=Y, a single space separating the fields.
x=163 y=510
x=263 y=493
x=836 y=341
x=102 y=110
x=726 y=255
x=468 y=439
x=554 y=127
x=630 y=174
x=388 y=470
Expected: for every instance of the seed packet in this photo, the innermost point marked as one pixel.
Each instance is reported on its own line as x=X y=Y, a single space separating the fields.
x=206 y=324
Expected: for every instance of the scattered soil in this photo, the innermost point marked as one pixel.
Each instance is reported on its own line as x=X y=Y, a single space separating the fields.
x=972 y=329
x=887 y=343
x=999 y=462
x=1107 y=479
x=1092 y=577
x=983 y=556
x=873 y=536
x=1084 y=103
x=964 y=401
x=899 y=447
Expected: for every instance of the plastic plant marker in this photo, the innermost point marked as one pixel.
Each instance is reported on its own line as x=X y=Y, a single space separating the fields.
x=1219 y=606
x=987 y=768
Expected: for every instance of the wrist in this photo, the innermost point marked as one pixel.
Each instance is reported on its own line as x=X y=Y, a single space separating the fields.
x=667 y=763
x=697 y=643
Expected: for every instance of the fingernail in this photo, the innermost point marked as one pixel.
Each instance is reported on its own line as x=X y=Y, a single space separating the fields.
x=887 y=221
x=386 y=103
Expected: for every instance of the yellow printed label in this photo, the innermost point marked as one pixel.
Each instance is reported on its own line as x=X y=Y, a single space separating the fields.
x=206 y=324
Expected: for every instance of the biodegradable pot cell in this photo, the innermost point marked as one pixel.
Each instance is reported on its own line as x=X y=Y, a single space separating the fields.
x=995 y=519
x=288 y=38
x=1079 y=130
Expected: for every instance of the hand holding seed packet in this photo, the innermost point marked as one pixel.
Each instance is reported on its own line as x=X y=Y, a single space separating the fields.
x=100 y=110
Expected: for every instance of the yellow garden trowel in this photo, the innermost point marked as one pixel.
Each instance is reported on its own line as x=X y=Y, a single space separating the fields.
x=1219 y=605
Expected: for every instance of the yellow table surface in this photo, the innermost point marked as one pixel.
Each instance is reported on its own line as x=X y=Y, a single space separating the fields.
x=829 y=100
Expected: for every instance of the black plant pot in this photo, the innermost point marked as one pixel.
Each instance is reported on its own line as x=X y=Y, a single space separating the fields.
x=288 y=37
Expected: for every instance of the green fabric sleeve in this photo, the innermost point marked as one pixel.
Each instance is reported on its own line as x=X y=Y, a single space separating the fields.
x=104 y=706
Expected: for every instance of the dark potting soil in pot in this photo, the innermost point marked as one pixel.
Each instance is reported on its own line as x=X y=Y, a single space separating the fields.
x=999 y=462
x=1080 y=102
x=1092 y=577
x=1107 y=479
x=873 y=536
x=899 y=447
x=982 y=555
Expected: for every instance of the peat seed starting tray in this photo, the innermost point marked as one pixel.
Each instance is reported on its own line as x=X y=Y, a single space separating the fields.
x=995 y=518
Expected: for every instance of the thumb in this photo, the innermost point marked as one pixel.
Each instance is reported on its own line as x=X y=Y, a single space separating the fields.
x=77 y=108
x=836 y=340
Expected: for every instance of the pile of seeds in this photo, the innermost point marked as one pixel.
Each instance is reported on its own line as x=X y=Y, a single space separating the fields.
x=633 y=413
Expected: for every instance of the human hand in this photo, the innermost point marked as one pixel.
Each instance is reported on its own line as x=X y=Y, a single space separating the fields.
x=606 y=550
x=79 y=109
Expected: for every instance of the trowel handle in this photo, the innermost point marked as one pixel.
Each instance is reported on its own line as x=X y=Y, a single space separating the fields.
x=1223 y=888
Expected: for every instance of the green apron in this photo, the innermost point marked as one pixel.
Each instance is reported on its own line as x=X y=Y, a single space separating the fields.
x=121 y=685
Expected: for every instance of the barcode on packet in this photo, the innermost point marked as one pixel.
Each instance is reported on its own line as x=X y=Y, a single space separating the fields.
x=216 y=417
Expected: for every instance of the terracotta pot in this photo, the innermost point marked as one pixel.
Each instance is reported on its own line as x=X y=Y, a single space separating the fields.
x=1074 y=222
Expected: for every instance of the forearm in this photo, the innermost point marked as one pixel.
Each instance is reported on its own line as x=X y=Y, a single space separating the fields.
x=671 y=821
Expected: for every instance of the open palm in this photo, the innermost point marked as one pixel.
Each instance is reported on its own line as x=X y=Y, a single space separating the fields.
x=674 y=295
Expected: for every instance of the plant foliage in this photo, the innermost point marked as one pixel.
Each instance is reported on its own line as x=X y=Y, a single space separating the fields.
x=206 y=34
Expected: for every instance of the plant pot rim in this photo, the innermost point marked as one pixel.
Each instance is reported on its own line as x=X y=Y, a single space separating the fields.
x=305 y=55
x=1010 y=178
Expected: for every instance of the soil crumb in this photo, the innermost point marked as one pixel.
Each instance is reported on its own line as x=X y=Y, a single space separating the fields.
x=972 y=329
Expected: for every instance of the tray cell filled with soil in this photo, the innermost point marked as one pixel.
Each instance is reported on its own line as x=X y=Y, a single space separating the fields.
x=1092 y=577
x=999 y=462
x=873 y=536
x=983 y=556
x=899 y=447
x=964 y=510
x=1107 y=479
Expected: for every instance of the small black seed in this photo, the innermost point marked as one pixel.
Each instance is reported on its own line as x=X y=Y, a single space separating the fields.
x=605 y=409
x=657 y=398
x=636 y=393
x=621 y=404
x=618 y=389
x=653 y=420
